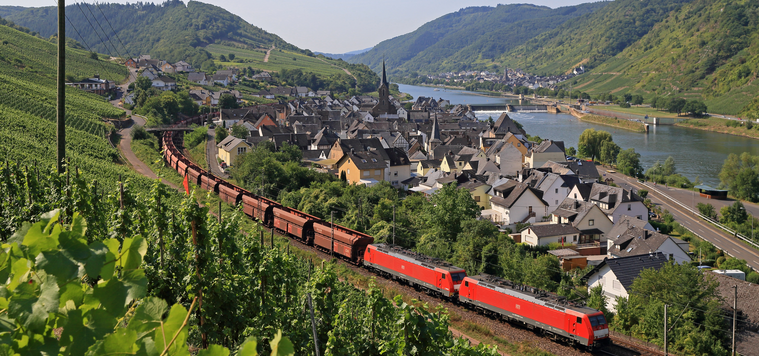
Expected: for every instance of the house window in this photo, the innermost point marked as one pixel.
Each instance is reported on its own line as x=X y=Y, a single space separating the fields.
x=616 y=285
x=240 y=150
x=477 y=199
x=557 y=190
x=348 y=171
x=575 y=195
x=366 y=173
x=377 y=172
x=574 y=238
x=629 y=207
x=557 y=202
x=591 y=222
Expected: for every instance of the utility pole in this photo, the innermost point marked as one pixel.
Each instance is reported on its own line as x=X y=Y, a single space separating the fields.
x=735 y=314
x=61 y=109
x=393 y=224
x=665 y=330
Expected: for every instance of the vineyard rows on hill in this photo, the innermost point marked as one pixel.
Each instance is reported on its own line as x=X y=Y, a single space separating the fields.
x=118 y=257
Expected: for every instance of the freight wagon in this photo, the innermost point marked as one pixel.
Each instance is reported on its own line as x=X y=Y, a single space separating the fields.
x=431 y=274
x=259 y=208
x=535 y=309
x=347 y=243
x=295 y=223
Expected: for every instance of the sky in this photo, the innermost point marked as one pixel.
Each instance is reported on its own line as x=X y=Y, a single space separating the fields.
x=335 y=26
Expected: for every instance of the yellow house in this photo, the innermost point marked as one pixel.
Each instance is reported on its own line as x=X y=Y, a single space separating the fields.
x=514 y=141
x=479 y=191
x=367 y=167
x=230 y=148
x=448 y=165
x=423 y=167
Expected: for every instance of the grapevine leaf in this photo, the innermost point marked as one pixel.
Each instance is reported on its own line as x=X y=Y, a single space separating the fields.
x=281 y=346
x=5 y=266
x=147 y=316
x=18 y=236
x=214 y=350
x=136 y=282
x=6 y=325
x=20 y=270
x=94 y=265
x=147 y=347
x=171 y=326
x=72 y=292
x=77 y=336
x=74 y=245
x=78 y=225
x=31 y=310
x=132 y=252
x=113 y=246
x=248 y=347
x=49 y=219
x=121 y=342
x=37 y=240
x=58 y=265
x=112 y=295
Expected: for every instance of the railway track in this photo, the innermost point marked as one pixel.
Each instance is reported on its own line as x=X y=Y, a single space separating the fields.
x=511 y=333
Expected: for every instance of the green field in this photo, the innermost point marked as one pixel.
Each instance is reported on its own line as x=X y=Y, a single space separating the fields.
x=278 y=60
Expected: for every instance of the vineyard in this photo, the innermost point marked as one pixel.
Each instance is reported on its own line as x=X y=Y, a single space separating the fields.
x=34 y=55
x=119 y=257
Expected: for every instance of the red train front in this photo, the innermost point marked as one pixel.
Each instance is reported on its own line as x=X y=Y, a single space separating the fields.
x=535 y=309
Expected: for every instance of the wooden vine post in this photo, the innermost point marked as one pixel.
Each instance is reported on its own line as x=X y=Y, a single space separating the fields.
x=203 y=335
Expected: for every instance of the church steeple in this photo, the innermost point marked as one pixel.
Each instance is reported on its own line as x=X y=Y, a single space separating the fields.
x=384 y=76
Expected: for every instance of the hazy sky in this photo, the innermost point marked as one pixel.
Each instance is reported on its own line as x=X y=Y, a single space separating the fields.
x=336 y=26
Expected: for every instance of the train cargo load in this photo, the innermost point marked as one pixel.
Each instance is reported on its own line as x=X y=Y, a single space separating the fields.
x=182 y=165
x=435 y=275
x=294 y=222
x=194 y=173
x=259 y=208
x=535 y=309
x=348 y=243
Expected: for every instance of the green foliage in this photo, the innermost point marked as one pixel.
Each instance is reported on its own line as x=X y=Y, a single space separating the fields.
x=628 y=163
x=591 y=141
x=182 y=29
x=609 y=152
x=707 y=210
x=227 y=101
x=220 y=134
x=643 y=193
x=752 y=277
x=267 y=172
x=240 y=131
x=735 y=213
x=597 y=300
x=196 y=137
x=162 y=107
x=472 y=38
x=571 y=151
x=734 y=263
x=695 y=319
x=139 y=132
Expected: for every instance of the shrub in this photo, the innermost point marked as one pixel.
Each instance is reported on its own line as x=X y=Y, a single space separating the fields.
x=139 y=133
x=643 y=193
x=720 y=261
x=753 y=277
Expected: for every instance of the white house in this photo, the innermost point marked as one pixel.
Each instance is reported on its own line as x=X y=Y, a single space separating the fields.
x=164 y=83
x=541 y=235
x=548 y=150
x=637 y=241
x=614 y=201
x=616 y=275
x=514 y=202
x=555 y=188
x=510 y=159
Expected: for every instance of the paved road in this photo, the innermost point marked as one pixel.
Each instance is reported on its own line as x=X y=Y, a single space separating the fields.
x=721 y=239
x=211 y=151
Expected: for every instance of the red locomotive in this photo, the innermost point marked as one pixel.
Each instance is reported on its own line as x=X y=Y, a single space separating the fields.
x=535 y=309
x=431 y=274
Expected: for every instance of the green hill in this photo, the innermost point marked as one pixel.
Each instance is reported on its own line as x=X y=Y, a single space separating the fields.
x=471 y=38
x=708 y=49
x=27 y=109
x=170 y=31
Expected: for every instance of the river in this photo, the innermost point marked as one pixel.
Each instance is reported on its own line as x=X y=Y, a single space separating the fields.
x=697 y=153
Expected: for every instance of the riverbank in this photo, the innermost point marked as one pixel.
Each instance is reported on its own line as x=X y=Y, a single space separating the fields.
x=610 y=121
x=714 y=124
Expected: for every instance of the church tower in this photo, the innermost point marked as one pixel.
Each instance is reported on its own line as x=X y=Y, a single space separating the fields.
x=383 y=106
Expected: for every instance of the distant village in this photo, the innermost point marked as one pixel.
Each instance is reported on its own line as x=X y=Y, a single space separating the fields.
x=511 y=77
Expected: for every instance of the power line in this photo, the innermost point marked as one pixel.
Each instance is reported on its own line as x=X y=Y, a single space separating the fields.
x=112 y=29
x=89 y=8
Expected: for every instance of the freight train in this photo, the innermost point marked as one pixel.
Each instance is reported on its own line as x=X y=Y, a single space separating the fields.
x=486 y=294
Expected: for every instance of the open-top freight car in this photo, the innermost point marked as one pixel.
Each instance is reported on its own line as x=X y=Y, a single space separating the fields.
x=432 y=274
x=210 y=183
x=294 y=222
x=350 y=244
x=259 y=208
x=231 y=193
x=195 y=172
x=535 y=309
x=182 y=165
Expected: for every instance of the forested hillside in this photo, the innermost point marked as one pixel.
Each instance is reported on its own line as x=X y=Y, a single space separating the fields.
x=170 y=30
x=471 y=38
x=592 y=39
x=708 y=48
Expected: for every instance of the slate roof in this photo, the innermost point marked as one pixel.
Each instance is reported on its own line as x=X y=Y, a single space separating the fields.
x=628 y=268
x=505 y=124
x=637 y=240
x=365 y=160
x=514 y=193
x=553 y=230
x=625 y=222
x=550 y=146
x=397 y=157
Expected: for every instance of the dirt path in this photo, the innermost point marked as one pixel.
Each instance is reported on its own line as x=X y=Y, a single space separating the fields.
x=266 y=57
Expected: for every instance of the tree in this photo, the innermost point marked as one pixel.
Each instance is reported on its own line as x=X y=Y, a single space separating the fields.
x=221 y=134
x=231 y=56
x=695 y=107
x=571 y=151
x=597 y=300
x=637 y=99
x=746 y=185
x=707 y=210
x=676 y=105
x=450 y=207
x=143 y=83
x=643 y=193
x=628 y=162
x=668 y=168
x=735 y=213
x=240 y=131
x=94 y=56
x=222 y=58
x=609 y=152
x=733 y=166
x=591 y=141
x=227 y=101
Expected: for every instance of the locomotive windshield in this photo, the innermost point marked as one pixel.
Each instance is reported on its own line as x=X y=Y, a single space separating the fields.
x=458 y=276
x=597 y=320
